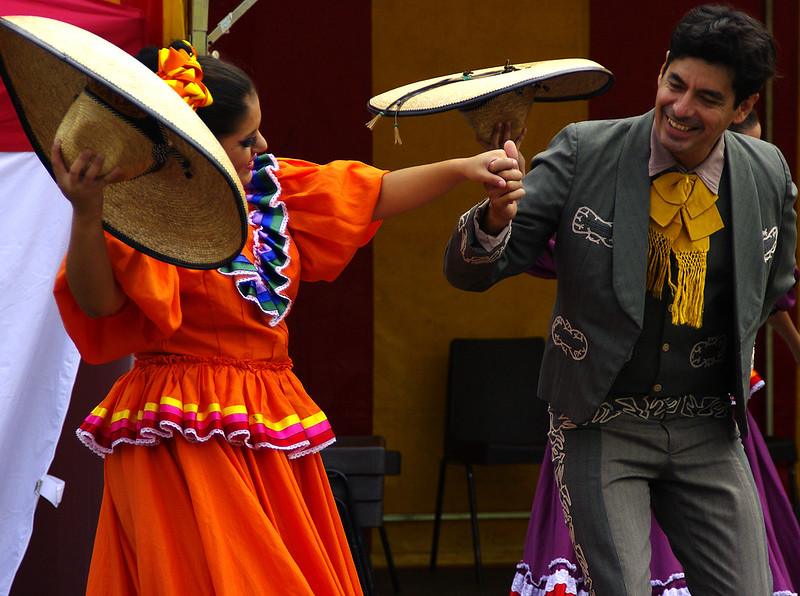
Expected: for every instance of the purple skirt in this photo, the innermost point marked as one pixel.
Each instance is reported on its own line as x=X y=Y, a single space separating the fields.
x=549 y=568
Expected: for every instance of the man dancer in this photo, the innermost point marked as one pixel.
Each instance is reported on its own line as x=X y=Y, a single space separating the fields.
x=674 y=240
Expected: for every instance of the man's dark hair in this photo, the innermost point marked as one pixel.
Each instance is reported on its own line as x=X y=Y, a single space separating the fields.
x=749 y=122
x=724 y=36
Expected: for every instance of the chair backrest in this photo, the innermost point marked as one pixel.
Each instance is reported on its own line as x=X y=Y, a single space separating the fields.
x=492 y=391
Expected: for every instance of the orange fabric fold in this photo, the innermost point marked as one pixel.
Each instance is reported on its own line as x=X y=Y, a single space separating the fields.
x=151 y=313
x=330 y=211
x=181 y=519
x=208 y=499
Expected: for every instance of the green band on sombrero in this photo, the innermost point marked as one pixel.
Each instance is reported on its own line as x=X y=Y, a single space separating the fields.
x=545 y=81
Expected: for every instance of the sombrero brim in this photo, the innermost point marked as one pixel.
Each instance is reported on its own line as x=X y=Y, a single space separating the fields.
x=555 y=80
x=198 y=222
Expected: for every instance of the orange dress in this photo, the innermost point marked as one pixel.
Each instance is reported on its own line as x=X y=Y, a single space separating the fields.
x=228 y=494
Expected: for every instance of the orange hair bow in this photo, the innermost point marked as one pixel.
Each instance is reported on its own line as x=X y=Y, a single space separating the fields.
x=181 y=71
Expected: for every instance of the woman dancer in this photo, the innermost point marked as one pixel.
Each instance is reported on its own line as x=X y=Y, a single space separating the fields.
x=213 y=483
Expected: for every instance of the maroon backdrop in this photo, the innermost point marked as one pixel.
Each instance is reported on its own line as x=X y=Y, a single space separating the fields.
x=633 y=44
x=312 y=67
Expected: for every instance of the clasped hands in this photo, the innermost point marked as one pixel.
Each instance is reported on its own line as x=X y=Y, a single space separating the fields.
x=503 y=200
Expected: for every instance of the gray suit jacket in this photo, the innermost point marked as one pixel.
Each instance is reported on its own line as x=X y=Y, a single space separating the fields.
x=591 y=187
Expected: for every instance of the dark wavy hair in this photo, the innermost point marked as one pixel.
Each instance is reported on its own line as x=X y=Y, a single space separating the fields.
x=724 y=36
x=230 y=89
x=749 y=122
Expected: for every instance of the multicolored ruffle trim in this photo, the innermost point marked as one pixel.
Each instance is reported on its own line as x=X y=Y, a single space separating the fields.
x=756 y=382
x=262 y=281
x=116 y=422
x=563 y=578
x=234 y=424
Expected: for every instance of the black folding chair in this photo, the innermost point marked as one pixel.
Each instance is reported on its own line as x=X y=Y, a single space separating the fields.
x=493 y=415
x=344 y=503
x=364 y=461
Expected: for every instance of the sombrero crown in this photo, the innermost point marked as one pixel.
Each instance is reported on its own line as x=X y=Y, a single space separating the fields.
x=501 y=93
x=181 y=200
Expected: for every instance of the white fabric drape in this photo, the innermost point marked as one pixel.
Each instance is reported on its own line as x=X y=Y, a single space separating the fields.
x=38 y=362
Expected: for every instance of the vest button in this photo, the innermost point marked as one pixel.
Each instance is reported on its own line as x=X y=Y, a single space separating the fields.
x=657 y=388
x=665 y=348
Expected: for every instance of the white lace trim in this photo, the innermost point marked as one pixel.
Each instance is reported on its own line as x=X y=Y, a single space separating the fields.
x=148 y=437
x=524 y=584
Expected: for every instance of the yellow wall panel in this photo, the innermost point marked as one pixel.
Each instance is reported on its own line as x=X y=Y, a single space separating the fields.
x=416 y=311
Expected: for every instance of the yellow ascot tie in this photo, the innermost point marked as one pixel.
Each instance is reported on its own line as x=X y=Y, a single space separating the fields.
x=682 y=218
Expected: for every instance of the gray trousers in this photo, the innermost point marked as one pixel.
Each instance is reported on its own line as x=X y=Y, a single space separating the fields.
x=691 y=472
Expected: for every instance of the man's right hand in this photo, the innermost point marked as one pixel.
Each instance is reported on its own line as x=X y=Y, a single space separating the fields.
x=503 y=201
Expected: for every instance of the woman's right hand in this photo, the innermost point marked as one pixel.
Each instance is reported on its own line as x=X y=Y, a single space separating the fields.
x=89 y=272
x=82 y=184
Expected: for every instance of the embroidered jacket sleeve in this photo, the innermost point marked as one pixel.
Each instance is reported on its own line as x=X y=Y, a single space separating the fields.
x=150 y=313
x=469 y=266
x=330 y=212
x=782 y=271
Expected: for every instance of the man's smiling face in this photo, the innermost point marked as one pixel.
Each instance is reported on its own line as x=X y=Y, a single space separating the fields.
x=694 y=106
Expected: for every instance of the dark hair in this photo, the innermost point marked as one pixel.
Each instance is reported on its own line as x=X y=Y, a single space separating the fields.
x=749 y=122
x=721 y=35
x=229 y=85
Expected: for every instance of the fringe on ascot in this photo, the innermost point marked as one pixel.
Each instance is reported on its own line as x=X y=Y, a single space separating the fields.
x=689 y=291
x=683 y=216
x=687 y=308
x=658 y=262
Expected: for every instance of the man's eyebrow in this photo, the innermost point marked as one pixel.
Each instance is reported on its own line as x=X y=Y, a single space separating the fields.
x=676 y=78
x=709 y=93
x=712 y=94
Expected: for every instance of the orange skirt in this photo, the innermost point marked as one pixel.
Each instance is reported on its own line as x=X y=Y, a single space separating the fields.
x=181 y=518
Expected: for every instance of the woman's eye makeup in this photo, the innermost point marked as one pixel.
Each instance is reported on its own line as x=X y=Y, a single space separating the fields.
x=248 y=142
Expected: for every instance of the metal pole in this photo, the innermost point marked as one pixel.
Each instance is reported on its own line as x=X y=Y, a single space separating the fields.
x=199 y=37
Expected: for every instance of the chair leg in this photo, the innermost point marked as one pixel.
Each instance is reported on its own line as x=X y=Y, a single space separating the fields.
x=473 y=512
x=344 y=504
x=389 y=559
x=360 y=556
x=437 y=518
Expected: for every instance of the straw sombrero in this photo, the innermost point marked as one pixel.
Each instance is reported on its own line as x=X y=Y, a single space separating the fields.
x=498 y=94
x=181 y=200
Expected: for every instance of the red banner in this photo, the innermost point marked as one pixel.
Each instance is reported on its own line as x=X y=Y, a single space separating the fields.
x=123 y=26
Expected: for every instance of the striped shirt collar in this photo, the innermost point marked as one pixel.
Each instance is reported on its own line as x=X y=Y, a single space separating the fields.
x=710 y=171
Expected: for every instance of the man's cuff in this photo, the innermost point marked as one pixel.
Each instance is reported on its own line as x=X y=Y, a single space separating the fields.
x=488 y=242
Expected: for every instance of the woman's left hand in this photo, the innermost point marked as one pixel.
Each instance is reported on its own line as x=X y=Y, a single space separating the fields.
x=496 y=169
x=502 y=133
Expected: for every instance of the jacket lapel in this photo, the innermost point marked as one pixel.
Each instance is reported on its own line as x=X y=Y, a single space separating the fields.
x=747 y=237
x=631 y=216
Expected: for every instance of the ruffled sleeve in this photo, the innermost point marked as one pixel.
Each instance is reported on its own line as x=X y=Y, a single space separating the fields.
x=330 y=212
x=151 y=313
